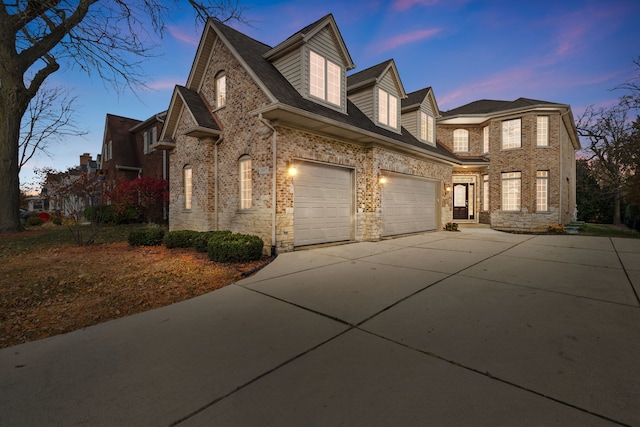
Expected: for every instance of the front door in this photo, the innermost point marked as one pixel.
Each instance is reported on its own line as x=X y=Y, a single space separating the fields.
x=461 y=201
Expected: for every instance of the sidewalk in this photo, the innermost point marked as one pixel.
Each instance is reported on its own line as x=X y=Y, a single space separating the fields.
x=469 y=328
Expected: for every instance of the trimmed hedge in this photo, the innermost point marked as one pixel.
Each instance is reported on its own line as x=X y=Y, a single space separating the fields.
x=201 y=242
x=146 y=237
x=180 y=238
x=106 y=214
x=227 y=247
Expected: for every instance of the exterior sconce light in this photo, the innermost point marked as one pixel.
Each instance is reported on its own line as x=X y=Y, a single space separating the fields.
x=447 y=189
x=382 y=180
x=291 y=169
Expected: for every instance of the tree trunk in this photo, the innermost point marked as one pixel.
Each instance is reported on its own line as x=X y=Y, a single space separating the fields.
x=616 y=207
x=11 y=111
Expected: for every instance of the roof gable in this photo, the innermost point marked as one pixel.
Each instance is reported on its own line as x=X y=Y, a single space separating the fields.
x=185 y=99
x=374 y=75
x=309 y=32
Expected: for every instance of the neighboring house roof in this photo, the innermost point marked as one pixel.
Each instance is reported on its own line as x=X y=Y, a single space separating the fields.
x=117 y=128
x=251 y=53
x=158 y=117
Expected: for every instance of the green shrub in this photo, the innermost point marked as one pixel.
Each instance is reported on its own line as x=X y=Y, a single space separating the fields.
x=201 y=242
x=146 y=237
x=180 y=238
x=34 y=221
x=107 y=214
x=227 y=247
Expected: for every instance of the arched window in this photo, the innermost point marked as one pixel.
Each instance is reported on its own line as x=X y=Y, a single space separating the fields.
x=245 y=182
x=460 y=141
x=221 y=89
x=188 y=186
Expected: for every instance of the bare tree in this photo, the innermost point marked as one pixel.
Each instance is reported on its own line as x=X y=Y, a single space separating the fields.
x=107 y=38
x=607 y=132
x=48 y=119
x=632 y=86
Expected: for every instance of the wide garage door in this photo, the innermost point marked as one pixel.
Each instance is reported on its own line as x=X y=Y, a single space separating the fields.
x=322 y=199
x=408 y=205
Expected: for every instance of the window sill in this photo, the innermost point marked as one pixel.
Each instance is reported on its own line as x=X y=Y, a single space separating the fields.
x=511 y=149
x=219 y=108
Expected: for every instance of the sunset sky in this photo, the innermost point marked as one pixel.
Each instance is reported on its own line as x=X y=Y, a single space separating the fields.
x=568 y=51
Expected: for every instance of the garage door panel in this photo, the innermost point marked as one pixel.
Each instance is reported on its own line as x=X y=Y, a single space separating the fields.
x=322 y=204
x=408 y=205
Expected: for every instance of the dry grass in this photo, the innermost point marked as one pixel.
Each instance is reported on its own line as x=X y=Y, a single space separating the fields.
x=54 y=287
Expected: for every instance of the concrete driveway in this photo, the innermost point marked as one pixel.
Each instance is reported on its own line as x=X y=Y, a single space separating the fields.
x=471 y=328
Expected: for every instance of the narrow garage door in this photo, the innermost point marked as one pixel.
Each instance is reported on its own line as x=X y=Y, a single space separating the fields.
x=322 y=198
x=408 y=205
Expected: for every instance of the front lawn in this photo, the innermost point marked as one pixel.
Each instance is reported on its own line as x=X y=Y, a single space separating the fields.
x=49 y=285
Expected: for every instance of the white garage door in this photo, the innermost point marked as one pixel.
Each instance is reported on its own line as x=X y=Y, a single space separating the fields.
x=408 y=205
x=322 y=199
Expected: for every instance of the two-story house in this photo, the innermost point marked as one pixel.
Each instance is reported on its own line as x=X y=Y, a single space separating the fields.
x=280 y=142
x=530 y=181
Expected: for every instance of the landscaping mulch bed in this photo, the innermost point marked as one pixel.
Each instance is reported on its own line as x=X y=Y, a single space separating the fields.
x=61 y=289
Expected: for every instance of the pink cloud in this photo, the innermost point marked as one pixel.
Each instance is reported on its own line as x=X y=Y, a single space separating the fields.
x=406 y=38
x=179 y=35
x=167 y=84
x=402 y=5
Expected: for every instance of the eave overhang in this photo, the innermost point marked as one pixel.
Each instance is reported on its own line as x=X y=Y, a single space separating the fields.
x=288 y=116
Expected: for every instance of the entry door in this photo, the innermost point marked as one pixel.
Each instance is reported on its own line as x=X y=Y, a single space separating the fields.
x=463 y=194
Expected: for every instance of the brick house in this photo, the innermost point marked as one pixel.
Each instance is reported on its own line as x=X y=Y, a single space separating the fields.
x=127 y=151
x=279 y=142
x=126 y=148
x=530 y=181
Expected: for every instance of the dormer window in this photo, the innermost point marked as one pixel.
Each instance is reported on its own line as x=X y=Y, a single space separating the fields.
x=387 y=109
x=221 y=89
x=426 y=128
x=324 y=79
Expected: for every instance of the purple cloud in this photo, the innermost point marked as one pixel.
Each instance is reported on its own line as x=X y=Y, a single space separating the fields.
x=406 y=38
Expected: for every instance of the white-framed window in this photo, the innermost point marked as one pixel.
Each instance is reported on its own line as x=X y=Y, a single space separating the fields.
x=542 y=191
x=221 y=89
x=511 y=136
x=426 y=128
x=188 y=186
x=485 y=193
x=485 y=139
x=542 y=131
x=150 y=137
x=460 y=141
x=245 y=182
x=108 y=150
x=387 y=109
x=511 y=188
x=325 y=79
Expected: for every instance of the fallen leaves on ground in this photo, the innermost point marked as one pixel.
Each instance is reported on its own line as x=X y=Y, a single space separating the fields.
x=62 y=289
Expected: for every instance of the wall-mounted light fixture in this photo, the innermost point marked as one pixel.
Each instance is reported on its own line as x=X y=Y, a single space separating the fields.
x=447 y=189
x=382 y=179
x=291 y=169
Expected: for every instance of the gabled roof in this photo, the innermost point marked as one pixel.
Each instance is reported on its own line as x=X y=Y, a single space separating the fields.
x=414 y=100
x=307 y=33
x=123 y=141
x=184 y=99
x=374 y=74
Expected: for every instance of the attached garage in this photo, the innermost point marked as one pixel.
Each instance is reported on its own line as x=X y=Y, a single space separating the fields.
x=322 y=200
x=408 y=205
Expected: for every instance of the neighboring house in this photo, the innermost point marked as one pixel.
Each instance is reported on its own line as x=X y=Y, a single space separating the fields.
x=279 y=142
x=530 y=181
x=126 y=149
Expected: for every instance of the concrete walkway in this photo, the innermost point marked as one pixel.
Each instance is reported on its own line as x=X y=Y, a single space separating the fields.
x=448 y=329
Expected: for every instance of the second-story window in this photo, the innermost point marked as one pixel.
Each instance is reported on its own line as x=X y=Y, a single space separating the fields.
x=460 y=141
x=485 y=139
x=426 y=127
x=387 y=109
x=324 y=79
x=542 y=131
x=150 y=137
x=221 y=89
x=511 y=134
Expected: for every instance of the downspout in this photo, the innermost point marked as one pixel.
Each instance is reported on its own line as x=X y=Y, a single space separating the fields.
x=274 y=138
